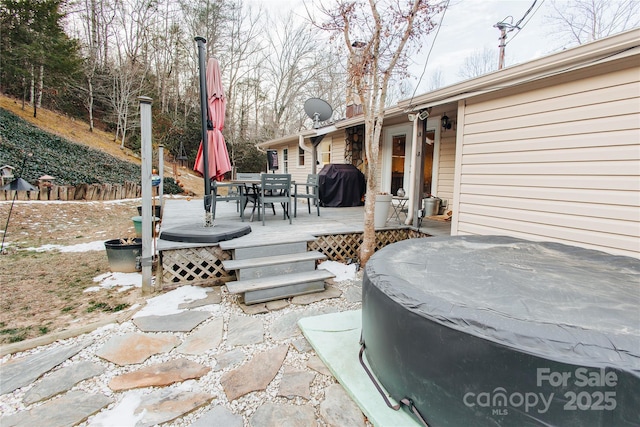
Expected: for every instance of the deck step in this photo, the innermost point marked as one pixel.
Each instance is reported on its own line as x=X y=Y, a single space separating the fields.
x=278 y=287
x=262 y=241
x=237 y=264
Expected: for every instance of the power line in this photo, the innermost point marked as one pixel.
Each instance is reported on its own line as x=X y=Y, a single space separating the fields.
x=503 y=26
x=446 y=7
x=525 y=15
x=528 y=20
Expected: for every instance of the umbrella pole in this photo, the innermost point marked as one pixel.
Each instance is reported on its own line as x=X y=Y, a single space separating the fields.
x=204 y=108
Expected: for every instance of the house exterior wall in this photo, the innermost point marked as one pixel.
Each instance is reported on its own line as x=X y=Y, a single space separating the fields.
x=446 y=165
x=558 y=160
x=299 y=173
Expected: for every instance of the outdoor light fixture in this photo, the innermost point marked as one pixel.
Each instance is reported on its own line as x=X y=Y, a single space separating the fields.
x=422 y=115
x=446 y=123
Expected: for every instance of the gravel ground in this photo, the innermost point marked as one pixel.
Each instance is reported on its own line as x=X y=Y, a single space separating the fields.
x=210 y=383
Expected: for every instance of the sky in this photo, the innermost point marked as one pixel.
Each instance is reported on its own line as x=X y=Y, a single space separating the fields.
x=467 y=27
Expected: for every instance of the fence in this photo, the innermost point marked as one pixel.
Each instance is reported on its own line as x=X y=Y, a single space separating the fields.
x=128 y=190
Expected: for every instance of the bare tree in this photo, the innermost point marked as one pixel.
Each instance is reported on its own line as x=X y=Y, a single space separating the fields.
x=379 y=37
x=165 y=40
x=329 y=84
x=292 y=65
x=478 y=63
x=582 y=21
x=240 y=62
x=132 y=61
x=91 y=21
x=436 y=80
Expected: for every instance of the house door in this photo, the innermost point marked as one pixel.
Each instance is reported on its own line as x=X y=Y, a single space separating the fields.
x=396 y=161
x=427 y=164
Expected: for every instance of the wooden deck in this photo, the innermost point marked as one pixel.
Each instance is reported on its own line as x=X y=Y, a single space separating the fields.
x=338 y=233
x=181 y=211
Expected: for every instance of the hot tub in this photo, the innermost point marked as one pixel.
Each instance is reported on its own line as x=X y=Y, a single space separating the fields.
x=498 y=331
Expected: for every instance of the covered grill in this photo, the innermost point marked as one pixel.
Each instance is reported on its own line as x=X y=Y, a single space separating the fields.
x=341 y=185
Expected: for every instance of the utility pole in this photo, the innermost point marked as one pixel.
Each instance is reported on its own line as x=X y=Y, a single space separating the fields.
x=503 y=43
x=502 y=26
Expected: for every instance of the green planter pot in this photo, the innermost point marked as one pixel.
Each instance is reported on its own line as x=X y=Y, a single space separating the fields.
x=123 y=257
x=137 y=223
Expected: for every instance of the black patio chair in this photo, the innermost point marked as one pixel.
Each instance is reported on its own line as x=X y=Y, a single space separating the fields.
x=310 y=193
x=275 y=188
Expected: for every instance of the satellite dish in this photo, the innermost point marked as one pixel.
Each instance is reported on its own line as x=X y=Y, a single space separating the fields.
x=318 y=110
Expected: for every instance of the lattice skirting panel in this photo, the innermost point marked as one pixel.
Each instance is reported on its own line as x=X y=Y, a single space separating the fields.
x=345 y=247
x=203 y=265
x=195 y=266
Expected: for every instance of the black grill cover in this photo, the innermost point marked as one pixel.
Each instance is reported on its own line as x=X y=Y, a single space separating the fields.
x=341 y=185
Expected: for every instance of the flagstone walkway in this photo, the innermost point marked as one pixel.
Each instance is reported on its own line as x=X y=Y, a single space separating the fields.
x=212 y=362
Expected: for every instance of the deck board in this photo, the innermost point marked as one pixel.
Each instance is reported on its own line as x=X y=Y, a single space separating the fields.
x=180 y=210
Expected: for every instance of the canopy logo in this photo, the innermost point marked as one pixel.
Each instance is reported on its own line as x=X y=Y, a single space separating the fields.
x=585 y=393
x=498 y=400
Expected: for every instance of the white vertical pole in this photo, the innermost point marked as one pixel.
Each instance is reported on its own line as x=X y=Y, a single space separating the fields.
x=147 y=158
x=416 y=144
x=161 y=173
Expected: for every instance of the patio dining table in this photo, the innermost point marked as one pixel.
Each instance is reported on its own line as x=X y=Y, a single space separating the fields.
x=251 y=187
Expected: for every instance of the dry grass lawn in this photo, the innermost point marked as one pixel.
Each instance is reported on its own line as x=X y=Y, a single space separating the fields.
x=42 y=292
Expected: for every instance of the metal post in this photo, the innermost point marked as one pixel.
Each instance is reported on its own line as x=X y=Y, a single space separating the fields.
x=161 y=173
x=204 y=108
x=146 y=260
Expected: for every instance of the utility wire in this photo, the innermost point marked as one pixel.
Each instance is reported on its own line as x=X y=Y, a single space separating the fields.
x=525 y=15
x=503 y=25
x=446 y=7
x=525 y=24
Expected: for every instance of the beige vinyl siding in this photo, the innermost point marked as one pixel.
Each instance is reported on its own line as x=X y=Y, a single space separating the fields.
x=446 y=165
x=298 y=174
x=559 y=162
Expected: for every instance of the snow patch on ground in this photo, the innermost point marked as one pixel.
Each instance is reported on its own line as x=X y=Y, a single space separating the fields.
x=341 y=271
x=80 y=247
x=123 y=415
x=168 y=303
x=111 y=280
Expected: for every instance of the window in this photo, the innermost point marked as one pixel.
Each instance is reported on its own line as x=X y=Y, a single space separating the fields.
x=325 y=152
x=285 y=160
x=300 y=156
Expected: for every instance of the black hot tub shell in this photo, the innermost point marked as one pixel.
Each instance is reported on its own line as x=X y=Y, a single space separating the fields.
x=497 y=331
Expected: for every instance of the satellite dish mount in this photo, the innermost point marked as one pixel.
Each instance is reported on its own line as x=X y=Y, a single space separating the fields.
x=318 y=110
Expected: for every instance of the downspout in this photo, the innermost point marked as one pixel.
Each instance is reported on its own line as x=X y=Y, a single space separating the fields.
x=314 y=156
x=412 y=174
x=457 y=177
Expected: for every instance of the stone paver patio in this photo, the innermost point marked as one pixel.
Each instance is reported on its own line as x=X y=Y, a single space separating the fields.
x=213 y=364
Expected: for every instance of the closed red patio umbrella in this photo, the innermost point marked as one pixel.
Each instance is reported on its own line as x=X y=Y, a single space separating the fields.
x=218 y=157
